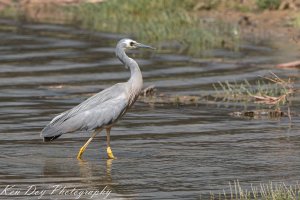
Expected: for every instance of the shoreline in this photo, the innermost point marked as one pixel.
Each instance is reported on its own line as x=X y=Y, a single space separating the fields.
x=276 y=25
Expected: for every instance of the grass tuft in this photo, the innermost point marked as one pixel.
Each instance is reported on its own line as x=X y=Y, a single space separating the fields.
x=268 y=4
x=273 y=91
x=296 y=21
x=270 y=191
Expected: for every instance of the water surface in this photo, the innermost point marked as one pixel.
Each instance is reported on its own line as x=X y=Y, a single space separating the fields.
x=165 y=151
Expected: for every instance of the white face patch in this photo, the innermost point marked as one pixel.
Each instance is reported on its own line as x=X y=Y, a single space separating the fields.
x=130 y=43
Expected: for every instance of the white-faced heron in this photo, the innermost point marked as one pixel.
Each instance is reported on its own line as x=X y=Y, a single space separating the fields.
x=102 y=110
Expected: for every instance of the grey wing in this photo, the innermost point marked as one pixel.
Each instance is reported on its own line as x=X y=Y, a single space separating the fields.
x=101 y=97
x=99 y=110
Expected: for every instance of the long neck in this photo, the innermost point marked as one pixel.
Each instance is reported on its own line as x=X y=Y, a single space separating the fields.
x=136 y=79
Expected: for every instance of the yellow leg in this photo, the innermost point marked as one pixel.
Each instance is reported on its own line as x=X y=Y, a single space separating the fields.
x=82 y=149
x=108 y=150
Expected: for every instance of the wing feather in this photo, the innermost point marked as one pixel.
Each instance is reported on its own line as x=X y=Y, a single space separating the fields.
x=97 y=111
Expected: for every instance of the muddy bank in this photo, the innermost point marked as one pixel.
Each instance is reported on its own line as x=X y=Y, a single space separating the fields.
x=51 y=11
x=277 y=24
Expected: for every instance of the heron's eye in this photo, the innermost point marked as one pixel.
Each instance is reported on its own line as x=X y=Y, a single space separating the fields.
x=131 y=43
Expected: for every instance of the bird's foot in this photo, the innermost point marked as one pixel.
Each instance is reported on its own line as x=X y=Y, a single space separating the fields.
x=110 y=153
x=82 y=149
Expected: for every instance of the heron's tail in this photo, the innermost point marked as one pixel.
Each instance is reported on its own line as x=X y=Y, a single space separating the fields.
x=50 y=133
x=49 y=139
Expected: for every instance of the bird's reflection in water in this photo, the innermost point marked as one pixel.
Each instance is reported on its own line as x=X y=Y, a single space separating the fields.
x=104 y=179
x=109 y=168
x=82 y=173
x=86 y=175
x=86 y=170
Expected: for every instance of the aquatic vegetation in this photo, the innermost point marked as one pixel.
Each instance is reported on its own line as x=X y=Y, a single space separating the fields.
x=271 y=94
x=259 y=114
x=151 y=96
x=273 y=91
x=270 y=191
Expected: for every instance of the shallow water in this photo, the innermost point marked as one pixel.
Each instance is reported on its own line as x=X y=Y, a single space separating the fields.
x=165 y=151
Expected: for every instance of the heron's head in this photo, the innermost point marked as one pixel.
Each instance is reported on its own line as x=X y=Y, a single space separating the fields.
x=131 y=44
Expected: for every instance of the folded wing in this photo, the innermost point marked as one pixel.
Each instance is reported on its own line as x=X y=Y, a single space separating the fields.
x=98 y=111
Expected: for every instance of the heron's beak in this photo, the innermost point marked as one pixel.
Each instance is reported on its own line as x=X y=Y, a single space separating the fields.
x=139 y=45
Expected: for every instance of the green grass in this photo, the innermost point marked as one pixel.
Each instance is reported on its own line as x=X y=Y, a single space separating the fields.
x=164 y=23
x=245 y=91
x=273 y=93
x=296 y=21
x=268 y=4
x=270 y=191
x=9 y=12
x=157 y=21
x=242 y=91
